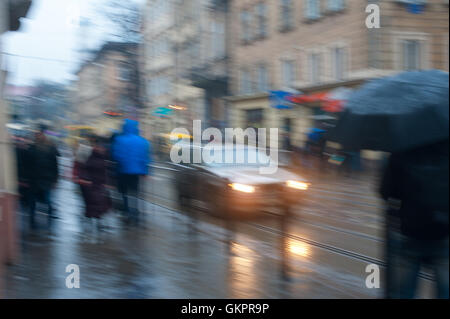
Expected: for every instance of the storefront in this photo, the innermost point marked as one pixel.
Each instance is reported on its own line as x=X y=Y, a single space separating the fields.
x=257 y=111
x=294 y=121
x=327 y=102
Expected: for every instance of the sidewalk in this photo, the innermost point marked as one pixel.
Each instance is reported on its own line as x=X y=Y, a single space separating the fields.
x=165 y=259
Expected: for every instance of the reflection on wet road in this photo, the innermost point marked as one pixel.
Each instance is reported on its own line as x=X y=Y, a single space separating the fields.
x=172 y=256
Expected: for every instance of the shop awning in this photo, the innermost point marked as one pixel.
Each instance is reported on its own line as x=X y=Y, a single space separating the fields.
x=332 y=101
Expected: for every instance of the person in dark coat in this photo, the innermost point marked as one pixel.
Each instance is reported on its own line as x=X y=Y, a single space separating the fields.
x=44 y=174
x=415 y=185
x=92 y=177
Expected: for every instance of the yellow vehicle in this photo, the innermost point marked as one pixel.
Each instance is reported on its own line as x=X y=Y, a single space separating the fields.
x=76 y=133
x=166 y=141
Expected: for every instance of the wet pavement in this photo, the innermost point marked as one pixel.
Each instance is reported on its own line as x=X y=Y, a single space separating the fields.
x=323 y=254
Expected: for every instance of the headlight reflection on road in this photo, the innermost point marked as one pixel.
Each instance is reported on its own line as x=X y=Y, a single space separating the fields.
x=243 y=281
x=298 y=248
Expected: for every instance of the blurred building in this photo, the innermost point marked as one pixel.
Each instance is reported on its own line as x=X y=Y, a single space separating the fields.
x=203 y=56
x=185 y=55
x=316 y=46
x=20 y=102
x=158 y=59
x=10 y=13
x=196 y=52
x=108 y=87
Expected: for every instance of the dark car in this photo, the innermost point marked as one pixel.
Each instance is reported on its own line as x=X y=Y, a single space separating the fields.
x=239 y=188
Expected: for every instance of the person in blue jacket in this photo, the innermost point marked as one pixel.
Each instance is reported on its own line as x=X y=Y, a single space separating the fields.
x=133 y=156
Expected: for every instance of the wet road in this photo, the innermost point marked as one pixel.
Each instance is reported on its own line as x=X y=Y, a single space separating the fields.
x=326 y=249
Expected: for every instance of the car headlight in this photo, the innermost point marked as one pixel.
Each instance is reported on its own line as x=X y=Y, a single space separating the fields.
x=297 y=185
x=242 y=188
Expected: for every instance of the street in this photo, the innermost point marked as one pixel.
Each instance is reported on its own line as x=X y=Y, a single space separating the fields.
x=323 y=253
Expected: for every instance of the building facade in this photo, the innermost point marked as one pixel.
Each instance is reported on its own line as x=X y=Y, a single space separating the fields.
x=186 y=60
x=108 y=87
x=320 y=45
x=158 y=60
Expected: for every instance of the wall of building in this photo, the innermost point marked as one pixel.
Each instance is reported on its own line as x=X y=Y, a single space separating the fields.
x=341 y=29
x=430 y=27
x=368 y=53
x=90 y=93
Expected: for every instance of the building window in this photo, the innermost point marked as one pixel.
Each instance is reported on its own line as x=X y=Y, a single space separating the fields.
x=246 y=82
x=314 y=64
x=286 y=15
x=411 y=55
x=254 y=118
x=287 y=74
x=159 y=85
x=124 y=73
x=218 y=39
x=339 y=59
x=245 y=26
x=261 y=11
x=336 y=5
x=312 y=11
x=263 y=79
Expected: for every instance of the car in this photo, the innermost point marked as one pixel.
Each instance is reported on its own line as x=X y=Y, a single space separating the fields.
x=164 y=143
x=237 y=189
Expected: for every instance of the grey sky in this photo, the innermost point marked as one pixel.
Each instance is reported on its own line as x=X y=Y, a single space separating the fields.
x=51 y=31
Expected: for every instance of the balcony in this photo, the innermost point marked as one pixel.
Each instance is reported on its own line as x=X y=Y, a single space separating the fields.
x=209 y=76
x=219 y=5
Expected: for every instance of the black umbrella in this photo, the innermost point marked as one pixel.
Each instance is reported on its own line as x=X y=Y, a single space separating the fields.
x=396 y=113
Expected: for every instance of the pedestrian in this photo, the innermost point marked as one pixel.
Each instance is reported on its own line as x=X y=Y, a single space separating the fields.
x=91 y=175
x=82 y=154
x=287 y=141
x=415 y=184
x=44 y=174
x=133 y=156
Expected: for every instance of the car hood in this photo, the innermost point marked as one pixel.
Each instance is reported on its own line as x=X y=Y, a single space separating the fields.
x=251 y=175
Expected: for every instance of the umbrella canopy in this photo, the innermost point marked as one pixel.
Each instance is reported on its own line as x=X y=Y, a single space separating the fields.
x=396 y=113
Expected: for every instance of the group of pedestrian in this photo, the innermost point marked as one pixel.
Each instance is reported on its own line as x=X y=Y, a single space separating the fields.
x=98 y=166
x=121 y=161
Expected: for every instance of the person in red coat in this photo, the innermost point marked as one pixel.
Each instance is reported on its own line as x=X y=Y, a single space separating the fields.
x=91 y=174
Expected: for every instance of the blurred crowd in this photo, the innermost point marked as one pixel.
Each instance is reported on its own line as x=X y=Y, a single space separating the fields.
x=99 y=164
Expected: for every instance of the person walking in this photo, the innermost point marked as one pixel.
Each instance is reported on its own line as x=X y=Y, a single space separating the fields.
x=91 y=175
x=44 y=174
x=133 y=156
x=415 y=185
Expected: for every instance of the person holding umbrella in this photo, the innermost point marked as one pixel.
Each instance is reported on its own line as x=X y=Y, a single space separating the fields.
x=407 y=115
